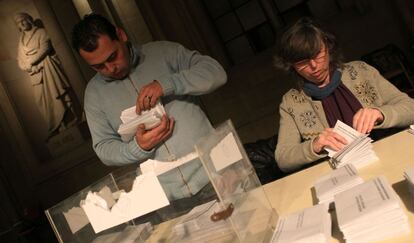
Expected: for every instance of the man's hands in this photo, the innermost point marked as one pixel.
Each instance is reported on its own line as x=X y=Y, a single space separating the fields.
x=148 y=139
x=148 y=96
x=328 y=138
x=366 y=118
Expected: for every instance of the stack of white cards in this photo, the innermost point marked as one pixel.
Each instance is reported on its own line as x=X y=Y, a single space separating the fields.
x=130 y=120
x=409 y=176
x=358 y=151
x=309 y=225
x=370 y=212
x=335 y=182
x=411 y=129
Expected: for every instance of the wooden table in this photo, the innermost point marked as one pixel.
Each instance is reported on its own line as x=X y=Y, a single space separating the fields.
x=395 y=153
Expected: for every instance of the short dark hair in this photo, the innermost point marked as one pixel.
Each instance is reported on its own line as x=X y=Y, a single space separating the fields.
x=85 y=34
x=303 y=41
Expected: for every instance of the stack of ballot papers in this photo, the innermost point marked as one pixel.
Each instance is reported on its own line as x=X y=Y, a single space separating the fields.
x=131 y=234
x=130 y=120
x=370 y=212
x=409 y=176
x=336 y=181
x=309 y=225
x=411 y=129
x=196 y=226
x=358 y=151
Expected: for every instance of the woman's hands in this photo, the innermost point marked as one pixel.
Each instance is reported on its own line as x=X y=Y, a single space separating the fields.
x=328 y=138
x=366 y=118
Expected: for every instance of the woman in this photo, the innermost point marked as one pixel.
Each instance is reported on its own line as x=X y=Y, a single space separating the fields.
x=354 y=93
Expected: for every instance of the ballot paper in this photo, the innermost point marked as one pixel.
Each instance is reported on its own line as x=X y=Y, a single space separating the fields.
x=131 y=234
x=370 y=212
x=358 y=151
x=411 y=129
x=335 y=182
x=145 y=196
x=309 y=225
x=196 y=225
x=409 y=176
x=161 y=167
x=130 y=120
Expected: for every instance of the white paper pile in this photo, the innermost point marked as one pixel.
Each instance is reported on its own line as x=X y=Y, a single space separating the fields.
x=309 y=225
x=337 y=181
x=411 y=129
x=358 y=151
x=131 y=234
x=409 y=176
x=370 y=212
x=130 y=120
x=196 y=226
x=104 y=214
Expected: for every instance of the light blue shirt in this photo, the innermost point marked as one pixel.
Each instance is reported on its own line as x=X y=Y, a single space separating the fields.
x=183 y=74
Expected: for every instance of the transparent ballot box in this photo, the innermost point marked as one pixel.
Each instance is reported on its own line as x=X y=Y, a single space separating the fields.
x=132 y=206
x=71 y=224
x=238 y=188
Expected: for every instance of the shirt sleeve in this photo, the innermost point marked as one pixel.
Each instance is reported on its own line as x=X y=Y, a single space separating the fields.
x=291 y=152
x=106 y=141
x=397 y=108
x=191 y=72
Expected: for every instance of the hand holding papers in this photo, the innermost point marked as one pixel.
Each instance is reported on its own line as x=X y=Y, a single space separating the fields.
x=130 y=120
x=309 y=225
x=335 y=182
x=358 y=151
x=370 y=212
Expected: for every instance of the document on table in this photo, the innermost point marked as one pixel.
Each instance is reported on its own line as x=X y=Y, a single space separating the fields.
x=309 y=225
x=411 y=129
x=130 y=120
x=339 y=180
x=358 y=151
x=359 y=208
x=409 y=176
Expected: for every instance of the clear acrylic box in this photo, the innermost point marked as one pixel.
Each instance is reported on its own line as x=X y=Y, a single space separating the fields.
x=241 y=212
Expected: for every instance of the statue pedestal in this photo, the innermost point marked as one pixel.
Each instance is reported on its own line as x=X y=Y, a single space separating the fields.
x=68 y=139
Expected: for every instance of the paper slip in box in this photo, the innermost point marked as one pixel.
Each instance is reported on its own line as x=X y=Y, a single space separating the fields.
x=131 y=234
x=335 y=182
x=196 y=225
x=309 y=225
x=370 y=211
x=130 y=120
x=358 y=151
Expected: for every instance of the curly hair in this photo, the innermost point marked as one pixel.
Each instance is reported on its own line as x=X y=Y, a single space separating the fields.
x=303 y=40
x=85 y=34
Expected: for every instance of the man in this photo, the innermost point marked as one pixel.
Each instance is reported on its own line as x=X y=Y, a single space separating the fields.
x=141 y=76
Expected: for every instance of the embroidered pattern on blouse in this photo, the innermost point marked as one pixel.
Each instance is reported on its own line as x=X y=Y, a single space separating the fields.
x=366 y=92
x=297 y=96
x=290 y=111
x=308 y=118
x=363 y=65
x=309 y=135
x=352 y=72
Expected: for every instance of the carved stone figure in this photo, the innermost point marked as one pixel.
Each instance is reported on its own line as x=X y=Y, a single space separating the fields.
x=51 y=88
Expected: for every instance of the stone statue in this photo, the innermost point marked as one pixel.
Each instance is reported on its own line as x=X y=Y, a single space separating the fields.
x=51 y=88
